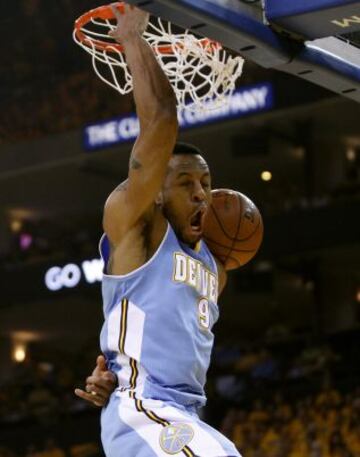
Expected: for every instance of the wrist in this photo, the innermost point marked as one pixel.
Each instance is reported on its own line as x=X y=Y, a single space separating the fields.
x=130 y=37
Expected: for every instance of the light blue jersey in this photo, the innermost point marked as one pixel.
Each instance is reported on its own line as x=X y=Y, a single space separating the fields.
x=157 y=335
x=157 y=338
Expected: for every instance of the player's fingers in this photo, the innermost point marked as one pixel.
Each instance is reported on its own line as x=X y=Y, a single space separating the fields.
x=95 y=399
x=105 y=393
x=110 y=377
x=116 y=11
x=101 y=362
x=128 y=7
x=105 y=383
x=98 y=400
x=98 y=390
x=82 y=394
x=100 y=366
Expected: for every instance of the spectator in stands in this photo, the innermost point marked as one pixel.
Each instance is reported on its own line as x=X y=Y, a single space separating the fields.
x=51 y=449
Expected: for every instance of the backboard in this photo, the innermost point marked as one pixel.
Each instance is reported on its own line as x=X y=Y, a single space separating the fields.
x=301 y=37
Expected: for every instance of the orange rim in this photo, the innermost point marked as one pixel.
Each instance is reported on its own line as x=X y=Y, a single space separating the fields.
x=105 y=13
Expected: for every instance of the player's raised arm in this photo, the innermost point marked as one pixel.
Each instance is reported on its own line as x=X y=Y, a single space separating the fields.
x=156 y=108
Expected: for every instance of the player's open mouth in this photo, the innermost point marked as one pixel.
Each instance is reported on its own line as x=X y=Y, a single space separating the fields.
x=197 y=220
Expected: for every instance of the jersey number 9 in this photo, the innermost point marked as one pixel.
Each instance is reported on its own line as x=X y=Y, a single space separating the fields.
x=204 y=313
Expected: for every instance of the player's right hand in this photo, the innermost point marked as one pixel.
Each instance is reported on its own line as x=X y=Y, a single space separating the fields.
x=132 y=20
x=100 y=385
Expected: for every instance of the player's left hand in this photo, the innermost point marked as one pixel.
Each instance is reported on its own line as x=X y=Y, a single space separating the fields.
x=99 y=386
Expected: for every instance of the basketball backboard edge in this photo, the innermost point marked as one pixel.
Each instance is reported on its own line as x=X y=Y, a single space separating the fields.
x=328 y=62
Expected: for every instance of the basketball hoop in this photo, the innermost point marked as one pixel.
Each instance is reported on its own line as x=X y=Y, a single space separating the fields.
x=201 y=72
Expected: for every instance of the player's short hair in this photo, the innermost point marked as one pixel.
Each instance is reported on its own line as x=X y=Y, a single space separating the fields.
x=186 y=148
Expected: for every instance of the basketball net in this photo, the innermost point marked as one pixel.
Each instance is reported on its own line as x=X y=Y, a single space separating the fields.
x=201 y=72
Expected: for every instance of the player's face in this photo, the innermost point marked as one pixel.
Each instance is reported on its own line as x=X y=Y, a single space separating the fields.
x=186 y=196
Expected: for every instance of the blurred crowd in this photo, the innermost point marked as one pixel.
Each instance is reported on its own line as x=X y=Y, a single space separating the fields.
x=243 y=373
x=51 y=448
x=49 y=85
x=40 y=416
x=67 y=104
x=42 y=240
x=323 y=425
x=292 y=399
x=41 y=392
x=276 y=400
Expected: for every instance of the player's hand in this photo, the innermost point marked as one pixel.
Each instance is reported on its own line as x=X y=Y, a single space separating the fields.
x=100 y=385
x=131 y=21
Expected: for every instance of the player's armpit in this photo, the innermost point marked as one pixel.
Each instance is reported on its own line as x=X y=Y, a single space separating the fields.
x=134 y=198
x=222 y=275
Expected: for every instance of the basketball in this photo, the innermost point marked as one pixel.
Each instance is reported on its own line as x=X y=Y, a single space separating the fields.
x=233 y=228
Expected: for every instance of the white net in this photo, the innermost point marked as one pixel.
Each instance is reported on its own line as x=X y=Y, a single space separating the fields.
x=201 y=72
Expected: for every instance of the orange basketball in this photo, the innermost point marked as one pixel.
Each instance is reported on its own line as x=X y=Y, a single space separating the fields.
x=233 y=228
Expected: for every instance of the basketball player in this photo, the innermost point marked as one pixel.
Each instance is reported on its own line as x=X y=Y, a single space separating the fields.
x=160 y=284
